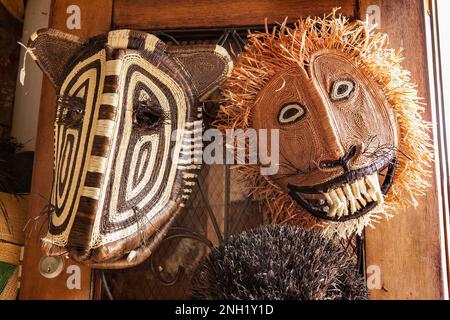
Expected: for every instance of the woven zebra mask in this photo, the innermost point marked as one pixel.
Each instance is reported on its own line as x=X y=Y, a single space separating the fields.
x=127 y=110
x=353 y=147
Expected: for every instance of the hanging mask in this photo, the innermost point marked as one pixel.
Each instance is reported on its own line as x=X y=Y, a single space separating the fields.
x=353 y=146
x=127 y=114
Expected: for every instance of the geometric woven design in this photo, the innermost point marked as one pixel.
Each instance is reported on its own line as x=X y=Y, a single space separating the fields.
x=127 y=132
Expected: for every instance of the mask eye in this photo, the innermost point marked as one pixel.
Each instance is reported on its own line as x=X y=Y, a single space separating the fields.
x=342 y=89
x=71 y=111
x=291 y=113
x=148 y=115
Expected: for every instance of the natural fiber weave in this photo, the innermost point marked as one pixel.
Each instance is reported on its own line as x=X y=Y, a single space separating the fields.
x=11 y=225
x=9 y=253
x=278 y=262
x=272 y=51
x=127 y=111
x=10 y=290
x=12 y=236
x=6 y=272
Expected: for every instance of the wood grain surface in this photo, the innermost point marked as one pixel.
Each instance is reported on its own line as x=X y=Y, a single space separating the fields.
x=35 y=286
x=407 y=248
x=176 y=14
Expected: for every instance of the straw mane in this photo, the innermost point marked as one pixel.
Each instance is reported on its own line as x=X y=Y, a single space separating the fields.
x=270 y=52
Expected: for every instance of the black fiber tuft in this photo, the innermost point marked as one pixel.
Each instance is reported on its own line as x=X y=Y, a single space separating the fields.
x=278 y=262
x=149 y=116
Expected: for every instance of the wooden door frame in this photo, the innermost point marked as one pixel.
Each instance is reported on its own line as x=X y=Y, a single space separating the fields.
x=441 y=132
x=408 y=250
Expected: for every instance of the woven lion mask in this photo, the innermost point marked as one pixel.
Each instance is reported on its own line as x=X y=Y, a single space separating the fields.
x=127 y=109
x=352 y=143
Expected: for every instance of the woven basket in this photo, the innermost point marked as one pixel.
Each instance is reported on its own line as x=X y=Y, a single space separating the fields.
x=11 y=239
x=10 y=291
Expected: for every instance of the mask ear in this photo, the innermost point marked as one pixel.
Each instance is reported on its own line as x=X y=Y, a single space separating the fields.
x=207 y=65
x=53 y=50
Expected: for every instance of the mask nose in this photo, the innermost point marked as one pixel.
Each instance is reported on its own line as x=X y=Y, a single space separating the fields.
x=341 y=162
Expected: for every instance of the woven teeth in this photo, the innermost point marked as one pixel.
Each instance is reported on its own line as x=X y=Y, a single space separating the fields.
x=349 y=198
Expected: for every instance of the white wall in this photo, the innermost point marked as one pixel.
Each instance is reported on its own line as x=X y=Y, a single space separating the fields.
x=27 y=100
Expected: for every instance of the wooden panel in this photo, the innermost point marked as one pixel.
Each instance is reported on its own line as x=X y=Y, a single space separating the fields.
x=184 y=14
x=9 y=61
x=408 y=248
x=34 y=286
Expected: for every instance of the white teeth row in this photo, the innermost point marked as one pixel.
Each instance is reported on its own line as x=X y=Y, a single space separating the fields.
x=349 y=198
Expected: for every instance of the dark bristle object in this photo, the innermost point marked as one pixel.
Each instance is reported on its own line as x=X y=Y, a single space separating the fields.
x=278 y=262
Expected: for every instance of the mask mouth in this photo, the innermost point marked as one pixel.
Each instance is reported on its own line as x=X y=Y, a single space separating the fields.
x=348 y=196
